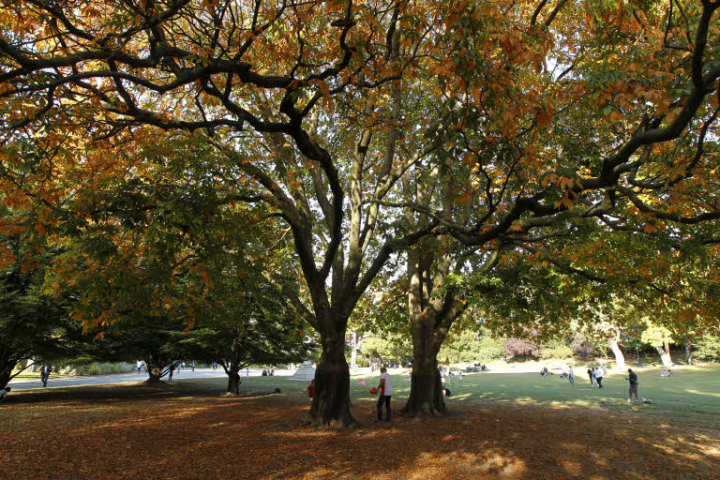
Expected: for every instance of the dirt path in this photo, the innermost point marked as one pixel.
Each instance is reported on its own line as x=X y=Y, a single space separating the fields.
x=126 y=433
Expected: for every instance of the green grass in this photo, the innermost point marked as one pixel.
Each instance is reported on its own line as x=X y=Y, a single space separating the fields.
x=28 y=375
x=693 y=391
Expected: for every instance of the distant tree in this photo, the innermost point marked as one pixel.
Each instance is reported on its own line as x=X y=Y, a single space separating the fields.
x=708 y=348
x=522 y=347
x=32 y=324
x=244 y=320
x=388 y=348
x=659 y=338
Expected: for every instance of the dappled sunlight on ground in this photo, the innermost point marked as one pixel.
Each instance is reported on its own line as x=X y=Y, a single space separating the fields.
x=208 y=437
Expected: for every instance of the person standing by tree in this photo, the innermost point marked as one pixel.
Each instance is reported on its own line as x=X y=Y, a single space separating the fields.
x=571 y=376
x=45 y=374
x=386 y=391
x=598 y=377
x=311 y=390
x=590 y=373
x=632 y=378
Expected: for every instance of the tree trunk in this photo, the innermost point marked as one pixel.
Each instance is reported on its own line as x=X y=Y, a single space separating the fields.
x=6 y=368
x=233 y=372
x=619 y=357
x=154 y=369
x=688 y=349
x=667 y=350
x=426 y=392
x=331 y=404
x=665 y=357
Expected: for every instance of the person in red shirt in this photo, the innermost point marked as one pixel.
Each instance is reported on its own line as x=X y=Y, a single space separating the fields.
x=311 y=390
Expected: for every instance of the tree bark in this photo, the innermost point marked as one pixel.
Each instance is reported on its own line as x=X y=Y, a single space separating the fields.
x=331 y=404
x=665 y=357
x=234 y=382
x=667 y=351
x=688 y=349
x=6 y=369
x=619 y=357
x=154 y=369
x=426 y=391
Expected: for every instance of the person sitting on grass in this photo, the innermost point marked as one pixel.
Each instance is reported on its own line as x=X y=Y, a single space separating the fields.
x=667 y=373
x=4 y=393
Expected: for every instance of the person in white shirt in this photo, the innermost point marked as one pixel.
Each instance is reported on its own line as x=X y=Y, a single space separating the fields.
x=598 y=377
x=385 y=389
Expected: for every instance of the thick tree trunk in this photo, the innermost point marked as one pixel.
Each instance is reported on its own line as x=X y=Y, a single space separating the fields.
x=688 y=349
x=667 y=350
x=426 y=393
x=619 y=357
x=234 y=382
x=5 y=372
x=154 y=369
x=665 y=357
x=331 y=404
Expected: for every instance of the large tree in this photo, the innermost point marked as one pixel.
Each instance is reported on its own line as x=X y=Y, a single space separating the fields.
x=555 y=109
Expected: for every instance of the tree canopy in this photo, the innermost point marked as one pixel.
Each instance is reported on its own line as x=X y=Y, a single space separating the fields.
x=541 y=121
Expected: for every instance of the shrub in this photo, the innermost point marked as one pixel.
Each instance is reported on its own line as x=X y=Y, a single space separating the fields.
x=490 y=349
x=708 y=349
x=557 y=350
x=104 y=368
x=583 y=349
x=520 y=347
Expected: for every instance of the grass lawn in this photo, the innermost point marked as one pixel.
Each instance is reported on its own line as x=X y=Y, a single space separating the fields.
x=500 y=426
x=28 y=375
x=693 y=391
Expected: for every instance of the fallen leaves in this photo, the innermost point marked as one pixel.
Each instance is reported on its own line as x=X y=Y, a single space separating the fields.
x=147 y=434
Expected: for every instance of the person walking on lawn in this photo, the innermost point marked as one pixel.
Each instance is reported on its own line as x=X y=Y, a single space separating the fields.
x=385 y=389
x=632 y=378
x=598 y=377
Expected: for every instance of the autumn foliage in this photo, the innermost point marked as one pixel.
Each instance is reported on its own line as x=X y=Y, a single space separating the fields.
x=119 y=433
x=155 y=131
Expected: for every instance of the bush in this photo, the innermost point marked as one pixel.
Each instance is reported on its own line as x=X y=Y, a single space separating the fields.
x=104 y=368
x=708 y=349
x=362 y=362
x=523 y=348
x=583 y=349
x=490 y=349
x=558 y=353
